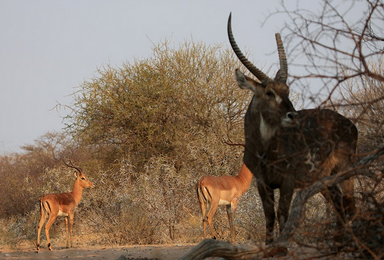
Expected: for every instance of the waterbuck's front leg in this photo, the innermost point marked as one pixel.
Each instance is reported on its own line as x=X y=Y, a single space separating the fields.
x=268 y=200
x=286 y=193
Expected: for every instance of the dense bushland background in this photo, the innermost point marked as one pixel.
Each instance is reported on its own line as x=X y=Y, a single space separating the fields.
x=145 y=132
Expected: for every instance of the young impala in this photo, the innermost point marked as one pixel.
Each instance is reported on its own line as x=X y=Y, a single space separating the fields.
x=287 y=149
x=224 y=190
x=63 y=204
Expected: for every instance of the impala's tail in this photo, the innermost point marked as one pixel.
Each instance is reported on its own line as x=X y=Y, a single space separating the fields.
x=45 y=207
x=204 y=199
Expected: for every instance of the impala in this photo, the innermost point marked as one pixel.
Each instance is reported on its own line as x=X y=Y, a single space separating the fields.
x=63 y=204
x=225 y=190
x=287 y=149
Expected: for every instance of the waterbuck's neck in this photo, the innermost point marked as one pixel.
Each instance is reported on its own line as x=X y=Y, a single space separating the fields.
x=266 y=131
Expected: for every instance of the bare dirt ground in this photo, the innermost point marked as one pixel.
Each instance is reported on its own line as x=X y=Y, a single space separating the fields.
x=136 y=252
x=163 y=252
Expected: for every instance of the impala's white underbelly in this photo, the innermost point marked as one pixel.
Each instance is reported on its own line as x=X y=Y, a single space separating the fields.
x=223 y=202
x=62 y=214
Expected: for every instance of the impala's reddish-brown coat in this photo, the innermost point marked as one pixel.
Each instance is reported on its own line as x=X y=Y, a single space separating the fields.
x=225 y=190
x=62 y=204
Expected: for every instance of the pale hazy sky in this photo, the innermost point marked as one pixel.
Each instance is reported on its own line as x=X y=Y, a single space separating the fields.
x=48 y=47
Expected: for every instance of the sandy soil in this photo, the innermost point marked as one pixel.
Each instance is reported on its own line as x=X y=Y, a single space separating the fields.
x=129 y=252
x=142 y=252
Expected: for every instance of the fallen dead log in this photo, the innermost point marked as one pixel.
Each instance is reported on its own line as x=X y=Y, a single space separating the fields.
x=215 y=248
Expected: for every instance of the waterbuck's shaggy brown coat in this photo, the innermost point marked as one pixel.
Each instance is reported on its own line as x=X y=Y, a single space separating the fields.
x=287 y=149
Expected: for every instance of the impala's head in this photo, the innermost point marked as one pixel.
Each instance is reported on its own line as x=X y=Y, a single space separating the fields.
x=80 y=176
x=271 y=96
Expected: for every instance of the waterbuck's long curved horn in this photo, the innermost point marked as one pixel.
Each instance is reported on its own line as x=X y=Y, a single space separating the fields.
x=282 y=74
x=252 y=68
x=73 y=166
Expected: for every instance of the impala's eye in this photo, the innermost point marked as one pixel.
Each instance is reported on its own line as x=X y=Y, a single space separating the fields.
x=83 y=178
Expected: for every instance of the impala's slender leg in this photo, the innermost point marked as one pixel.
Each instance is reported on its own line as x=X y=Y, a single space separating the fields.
x=71 y=217
x=208 y=208
x=205 y=218
x=231 y=208
x=43 y=217
x=211 y=212
x=203 y=207
x=66 y=229
x=51 y=219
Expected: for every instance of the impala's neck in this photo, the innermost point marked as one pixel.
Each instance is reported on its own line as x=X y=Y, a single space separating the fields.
x=245 y=178
x=77 y=191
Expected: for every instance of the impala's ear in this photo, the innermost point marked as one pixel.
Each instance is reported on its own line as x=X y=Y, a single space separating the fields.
x=245 y=82
x=76 y=174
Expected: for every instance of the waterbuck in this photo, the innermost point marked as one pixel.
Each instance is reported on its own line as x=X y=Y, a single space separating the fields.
x=287 y=149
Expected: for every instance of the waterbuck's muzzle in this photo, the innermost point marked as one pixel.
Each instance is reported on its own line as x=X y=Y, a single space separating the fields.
x=290 y=119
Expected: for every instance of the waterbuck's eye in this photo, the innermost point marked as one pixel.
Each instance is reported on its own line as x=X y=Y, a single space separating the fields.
x=270 y=94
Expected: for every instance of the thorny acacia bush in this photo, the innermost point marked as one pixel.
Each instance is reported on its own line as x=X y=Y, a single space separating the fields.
x=159 y=106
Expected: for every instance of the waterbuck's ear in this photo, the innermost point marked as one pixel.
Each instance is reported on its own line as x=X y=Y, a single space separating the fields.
x=245 y=82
